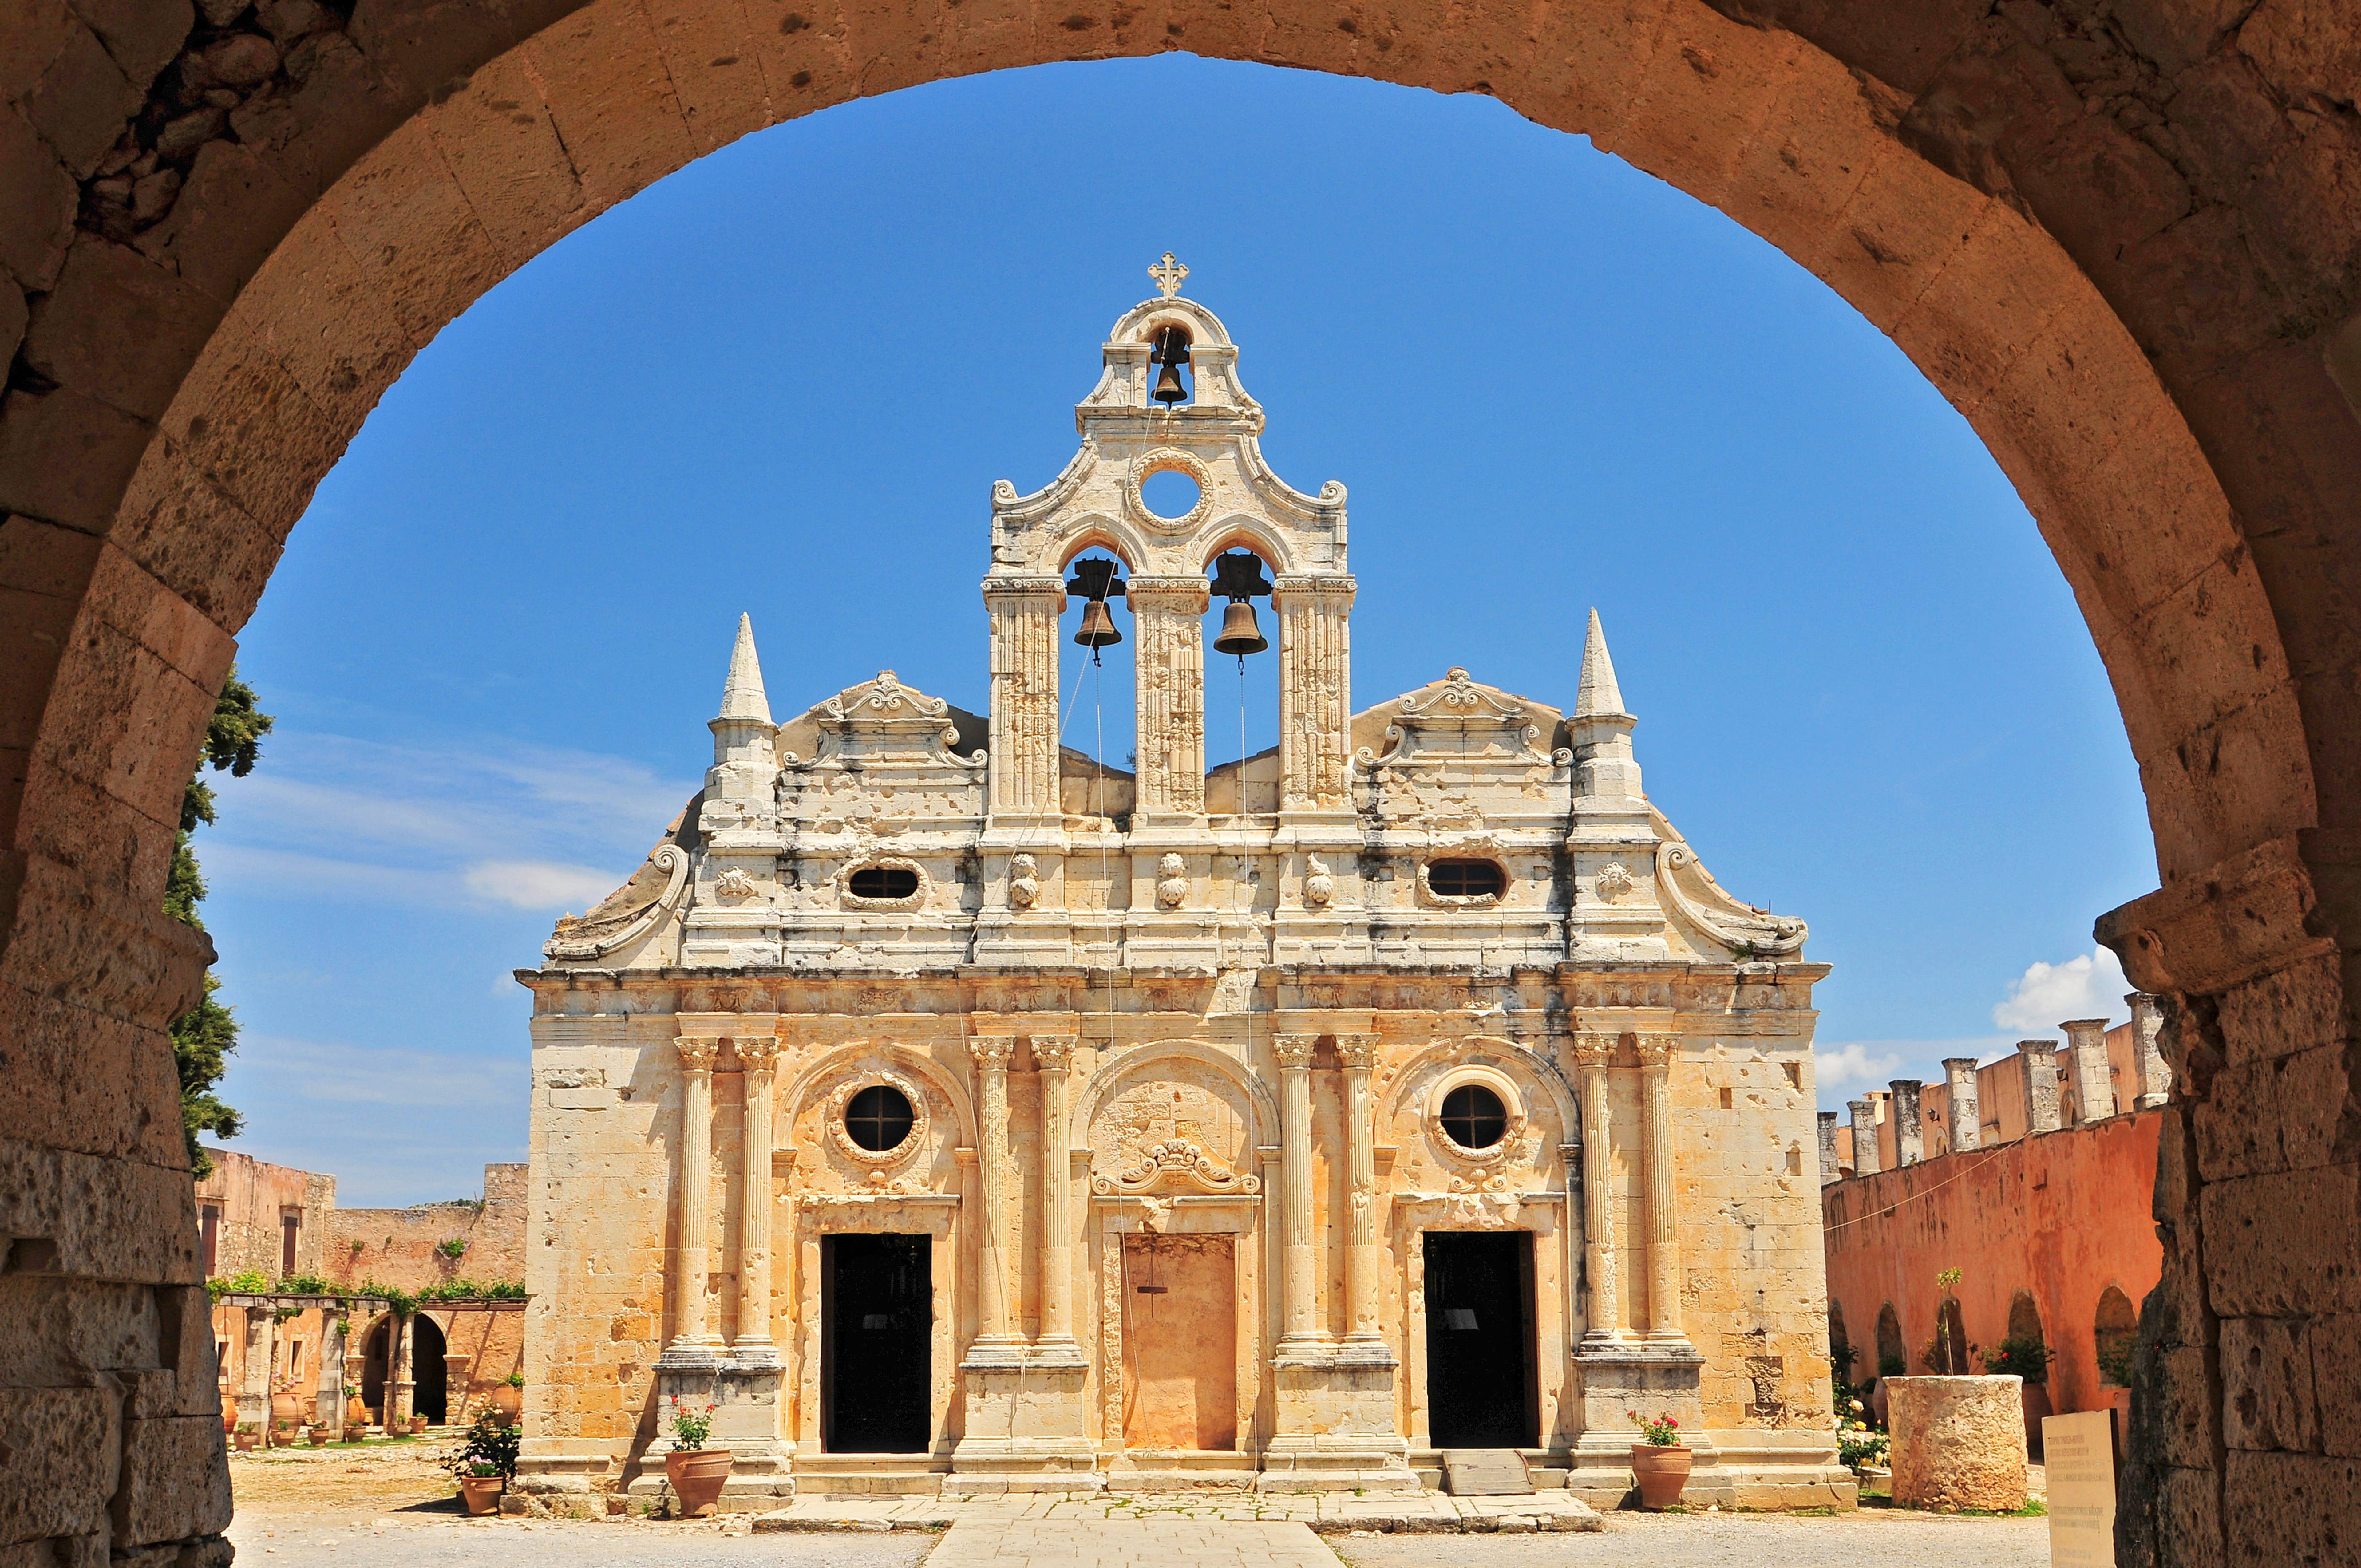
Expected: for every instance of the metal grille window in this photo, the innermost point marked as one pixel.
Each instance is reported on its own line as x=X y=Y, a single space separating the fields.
x=878 y=1118
x=884 y=882
x=1473 y=1117
x=1465 y=879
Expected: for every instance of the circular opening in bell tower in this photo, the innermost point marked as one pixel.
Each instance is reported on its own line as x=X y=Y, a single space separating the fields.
x=1169 y=494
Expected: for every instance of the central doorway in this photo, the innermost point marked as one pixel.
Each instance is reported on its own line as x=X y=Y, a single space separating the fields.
x=1480 y=1388
x=1179 y=1342
x=877 y=1310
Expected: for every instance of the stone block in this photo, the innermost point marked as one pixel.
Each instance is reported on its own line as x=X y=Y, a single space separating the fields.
x=611 y=101
x=175 y=1481
x=194 y=540
x=39 y=197
x=109 y=1218
x=2336 y=1382
x=55 y=1328
x=2289 y=1507
x=2297 y=1008
x=233 y=210
x=2316 y=1105
x=241 y=421
x=66 y=457
x=82 y=101
x=62 y=1445
x=119 y=328
x=2263 y=1257
x=141 y=35
x=2237 y=1124
x=1957 y=1442
x=2189 y=1518
x=411 y=232
x=501 y=146
x=123 y=718
x=2267 y=1399
x=714 y=69
x=2186 y=1397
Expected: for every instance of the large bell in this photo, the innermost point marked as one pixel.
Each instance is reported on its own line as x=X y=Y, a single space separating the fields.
x=1098 y=628
x=1240 y=633
x=1168 y=390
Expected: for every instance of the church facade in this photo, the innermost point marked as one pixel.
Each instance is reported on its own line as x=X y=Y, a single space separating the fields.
x=954 y=1113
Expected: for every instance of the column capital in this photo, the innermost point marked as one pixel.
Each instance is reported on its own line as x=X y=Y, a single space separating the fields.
x=1190 y=595
x=1658 y=1050
x=1294 y=1051
x=990 y=1053
x=697 y=1052
x=1054 y=1053
x=759 y=1053
x=1595 y=1050
x=1024 y=588
x=1357 y=1052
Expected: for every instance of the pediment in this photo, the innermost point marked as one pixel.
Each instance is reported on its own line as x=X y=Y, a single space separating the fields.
x=1458 y=719
x=882 y=720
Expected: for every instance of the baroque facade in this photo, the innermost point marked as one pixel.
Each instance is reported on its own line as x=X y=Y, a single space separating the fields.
x=954 y=1113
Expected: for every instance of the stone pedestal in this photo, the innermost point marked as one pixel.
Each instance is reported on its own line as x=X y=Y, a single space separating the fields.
x=1334 y=1418
x=1023 y=1427
x=745 y=1399
x=1655 y=1377
x=1959 y=1442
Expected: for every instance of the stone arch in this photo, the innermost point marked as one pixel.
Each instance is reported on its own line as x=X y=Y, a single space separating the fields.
x=830 y=1064
x=1143 y=1062
x=430 y=1373
x=1117 y=538
x=1564 y=1101
x=1840 y=1350
x=1237 y=530
x=2114 y=1328
x=1890 y=1346
x=2025 y=1317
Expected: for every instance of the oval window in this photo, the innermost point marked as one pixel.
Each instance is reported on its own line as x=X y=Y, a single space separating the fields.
x=1473 y=1117
x=879 y=1118
x=884 y=882
x=1465 y=879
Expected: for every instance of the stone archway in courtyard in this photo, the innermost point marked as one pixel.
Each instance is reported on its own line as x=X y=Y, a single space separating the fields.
x=2124 y=246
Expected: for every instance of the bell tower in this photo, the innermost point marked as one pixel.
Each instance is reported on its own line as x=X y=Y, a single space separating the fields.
x=1169 y=401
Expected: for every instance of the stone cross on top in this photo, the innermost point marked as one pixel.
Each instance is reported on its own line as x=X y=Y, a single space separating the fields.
x=1168 y=274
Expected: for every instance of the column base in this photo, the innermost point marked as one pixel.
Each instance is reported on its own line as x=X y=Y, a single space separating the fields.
x=1023 y=1421
x=1335 y=1420
x=745 y=1400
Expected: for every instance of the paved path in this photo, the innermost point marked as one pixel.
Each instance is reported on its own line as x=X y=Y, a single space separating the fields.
x=1125 y=1543
x=1729 y=1540
x=1425 y=1513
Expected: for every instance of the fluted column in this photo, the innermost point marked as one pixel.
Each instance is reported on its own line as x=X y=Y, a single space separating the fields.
x=1864 y=1136
x=692 y=1163
x=1297 y=1302
x=1169 y=710
x=1052 y=1056
x=1363 y=1259
x=1315 y=691
x=1024 y=718
x=992 y=1318
x=759 y=1057
x=1657 y=1054
x=1594 y=1054
x=1966 y=1117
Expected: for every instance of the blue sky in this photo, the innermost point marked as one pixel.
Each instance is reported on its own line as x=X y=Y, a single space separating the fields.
x=784 y=380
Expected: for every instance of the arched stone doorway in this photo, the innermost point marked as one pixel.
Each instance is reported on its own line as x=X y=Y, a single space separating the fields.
x=428 y=1370
x=2121 y=249
x=375 y=1352
x=1893 y=1354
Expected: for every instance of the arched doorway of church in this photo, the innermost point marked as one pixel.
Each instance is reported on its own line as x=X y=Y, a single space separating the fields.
x=430 y=1374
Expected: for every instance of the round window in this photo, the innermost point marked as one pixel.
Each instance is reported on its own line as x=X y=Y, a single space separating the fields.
x=879 y=1118
x=1473 y=1117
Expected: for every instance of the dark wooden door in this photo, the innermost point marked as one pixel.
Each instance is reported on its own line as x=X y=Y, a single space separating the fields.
x=876 y=1336
x=1480 y=1389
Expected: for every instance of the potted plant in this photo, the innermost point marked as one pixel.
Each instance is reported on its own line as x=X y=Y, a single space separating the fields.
x=355 y=1413
x=229 y=1412
x=485 y=1462
x=509 y=1396
x=1661 y=1461
x=248 y=1439
x=417 y=1424
x=695 y=1471
x=2027 y=1358
x=1861 y=1447
x=316 y=1435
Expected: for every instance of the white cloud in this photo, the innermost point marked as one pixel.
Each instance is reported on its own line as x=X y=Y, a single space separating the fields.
x=2090 y=986
x=541 y=884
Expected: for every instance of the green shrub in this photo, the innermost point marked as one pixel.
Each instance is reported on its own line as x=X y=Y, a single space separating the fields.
x=2027 y=1358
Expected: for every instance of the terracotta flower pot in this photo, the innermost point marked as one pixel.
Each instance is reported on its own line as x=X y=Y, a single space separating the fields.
x=697 y=1479
x=354 y=1433
x=1661 y=1470
x=481 y=1493
x=247 y=1441
x=229 y=1412
x=510 y=1402
x=355 y=1413
x=417 y=1425
x=319 y=1436
x=286 y=1411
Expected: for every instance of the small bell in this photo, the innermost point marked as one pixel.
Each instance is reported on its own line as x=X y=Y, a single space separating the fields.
x=1098 y=628
x=1241 y=635
x=1171 y=352
x=1168 y=390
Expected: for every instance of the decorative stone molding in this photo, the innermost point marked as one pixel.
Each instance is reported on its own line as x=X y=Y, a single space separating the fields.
x=1294 y=1051
x=1168 y=460
x=1024 y=883
x=567 y=946
x=1595 y=1050
x=842 y=1139
x=1172 y=881
x=734 y=884
x=1177 y=1166
x=757 y=1053
x=1613 y=881
x=1356 y=1053
x=916 y=899
x=1512 y=1133
x=1742 y=928
x=1054 y=1053
x=697 y=1054
x=1658 y=1050
x=1319 y=887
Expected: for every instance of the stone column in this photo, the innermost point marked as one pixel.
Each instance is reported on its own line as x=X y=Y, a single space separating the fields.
x=692 y=1162
x=1864 y=1136
x=994 y=1325
x=253 y=1389
x=1657 y=1054
x=1169 y=665
x=400 y=1382
x=2040 y=1066
x=1830 y=1169
x=2094 y=1085
x=328 y=1393
x=1024 y=718
x=1364 y=1259
x=1314 y=692
x=1052 y=1056
x=759 y=1058
x=1594 y=1054
x=2147 y=1038
x=1967 y=1118
x=1302 y=1256
x=1909 y=1121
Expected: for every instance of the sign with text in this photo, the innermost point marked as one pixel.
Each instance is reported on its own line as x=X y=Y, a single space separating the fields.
x=2079 y=1452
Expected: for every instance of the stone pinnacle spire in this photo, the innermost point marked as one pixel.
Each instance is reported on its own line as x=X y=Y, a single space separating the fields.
x=741 y=694
x=1598 y=696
